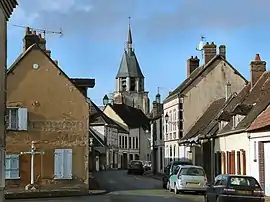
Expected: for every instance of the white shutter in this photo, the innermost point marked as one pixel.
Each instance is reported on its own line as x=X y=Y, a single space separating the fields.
x=14 y=165
x=22 y=119
x=68 y=164
x=58 y=163
x=7 y=166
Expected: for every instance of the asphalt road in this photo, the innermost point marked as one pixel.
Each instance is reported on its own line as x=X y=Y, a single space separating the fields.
x=131 y=188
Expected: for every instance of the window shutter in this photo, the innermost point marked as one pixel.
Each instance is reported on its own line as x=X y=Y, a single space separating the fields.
x=14 y=165
x=223 y=159
x=68 y=164
x=22 y=118
x=233 y=162
x=228 y=171
x=238 y=163
x=244 y=162
x=58 y=163
x=7 y=166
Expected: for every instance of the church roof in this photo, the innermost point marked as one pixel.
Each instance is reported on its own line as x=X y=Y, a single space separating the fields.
x=129 y=66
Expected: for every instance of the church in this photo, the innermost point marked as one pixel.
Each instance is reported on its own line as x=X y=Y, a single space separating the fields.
x=130 y=88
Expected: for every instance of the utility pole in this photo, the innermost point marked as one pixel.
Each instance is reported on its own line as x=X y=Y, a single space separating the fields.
x=6 y=9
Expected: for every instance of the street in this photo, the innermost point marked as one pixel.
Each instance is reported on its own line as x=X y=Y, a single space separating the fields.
x=132 y=188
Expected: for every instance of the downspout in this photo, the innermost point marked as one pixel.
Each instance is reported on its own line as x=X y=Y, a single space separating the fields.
x=179 y=101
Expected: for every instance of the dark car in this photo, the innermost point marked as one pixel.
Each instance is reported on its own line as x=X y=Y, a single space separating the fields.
x=135 y=167
x=236 y=188
x=169 y=169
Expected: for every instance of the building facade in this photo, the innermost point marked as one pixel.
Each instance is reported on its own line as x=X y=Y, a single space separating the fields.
x=130 y=88
x=186 y=104
x=48 y=108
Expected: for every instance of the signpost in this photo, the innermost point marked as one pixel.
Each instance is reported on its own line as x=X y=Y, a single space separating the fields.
x=32 y=152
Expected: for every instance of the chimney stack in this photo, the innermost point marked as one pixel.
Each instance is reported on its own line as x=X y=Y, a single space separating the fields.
x=257 y=68
x=155 y=109
x=192 y=64
x=210 y=51
x=31 y=37
x=228 y=90
x=222 y=51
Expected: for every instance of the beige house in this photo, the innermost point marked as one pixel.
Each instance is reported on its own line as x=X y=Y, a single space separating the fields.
x=187 y=103
x=136 y=144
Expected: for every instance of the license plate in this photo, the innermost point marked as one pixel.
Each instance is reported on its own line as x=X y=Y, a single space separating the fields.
x=244 y=192
x=194 y=183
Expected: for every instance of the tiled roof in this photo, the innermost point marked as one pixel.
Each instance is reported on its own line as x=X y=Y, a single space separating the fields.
x=258 y=97
x=205 y=119
x=133 y=117
x=195 y=74
x=8 y=6
x=262 y=121
x=99 y=117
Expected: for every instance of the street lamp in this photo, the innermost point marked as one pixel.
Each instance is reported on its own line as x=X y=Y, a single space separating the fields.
x=105 y=100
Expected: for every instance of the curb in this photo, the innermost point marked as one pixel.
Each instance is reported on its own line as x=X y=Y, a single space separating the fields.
x=53 y=194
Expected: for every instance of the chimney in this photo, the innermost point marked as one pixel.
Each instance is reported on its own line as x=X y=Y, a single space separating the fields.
x=155 y=109
x=222 y=51
x=192 y=64
x=31 y=37
x=257 y=68
x=228 y=90
x=210 y=51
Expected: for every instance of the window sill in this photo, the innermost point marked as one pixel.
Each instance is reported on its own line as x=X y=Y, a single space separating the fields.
x=59 y=178
x=15 y=178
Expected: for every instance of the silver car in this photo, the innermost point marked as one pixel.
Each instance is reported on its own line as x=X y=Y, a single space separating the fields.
x=188 y=178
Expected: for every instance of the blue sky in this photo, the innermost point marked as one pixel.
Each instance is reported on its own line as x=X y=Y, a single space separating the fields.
x=165 y=35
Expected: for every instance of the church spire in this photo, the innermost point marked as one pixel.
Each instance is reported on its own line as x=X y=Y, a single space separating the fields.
x=129 y=39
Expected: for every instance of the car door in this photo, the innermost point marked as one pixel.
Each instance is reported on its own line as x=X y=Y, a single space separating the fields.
x=174 y=176
x=211 y=190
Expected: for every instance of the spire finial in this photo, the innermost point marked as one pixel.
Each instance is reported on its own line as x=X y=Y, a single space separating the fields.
x=129 y=39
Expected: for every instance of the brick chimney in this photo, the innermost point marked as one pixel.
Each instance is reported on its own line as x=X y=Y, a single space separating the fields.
x=192 y=64
x=257 y=68
x=210 y=51
x=222 y=51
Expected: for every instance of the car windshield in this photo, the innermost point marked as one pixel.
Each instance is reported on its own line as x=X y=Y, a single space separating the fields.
x=243 y=181
x=193 y=171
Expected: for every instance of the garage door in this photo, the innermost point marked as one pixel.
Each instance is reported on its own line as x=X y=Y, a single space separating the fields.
x=267 y=167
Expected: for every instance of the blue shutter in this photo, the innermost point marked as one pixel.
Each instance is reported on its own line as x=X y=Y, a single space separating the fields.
x=14 y=165
x=58 y=164
x=68 y=163
x=7 y=166
x=22 y=119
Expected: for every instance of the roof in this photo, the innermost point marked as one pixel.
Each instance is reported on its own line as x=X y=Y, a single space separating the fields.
x=7 y=7
x=129 y=66
x=195 y=74
x=83 y=82
x=257 y=97
x=205 y=119
x=99 y=117
x=36 y=47
x=133 y=117
x=97 y=141
x=262 y=121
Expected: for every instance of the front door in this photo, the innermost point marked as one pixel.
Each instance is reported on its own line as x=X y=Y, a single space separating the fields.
x=266 y=168
x=125 y=161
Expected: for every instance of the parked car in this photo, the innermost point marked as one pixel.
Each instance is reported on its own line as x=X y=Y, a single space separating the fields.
x=168 y=170
x=135 y=167
x=188 y=178
x=234 y=188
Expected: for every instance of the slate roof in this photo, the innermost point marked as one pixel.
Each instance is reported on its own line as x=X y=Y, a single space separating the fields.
x=262 y=121
x=97 y=141
x=133 y=117
x=97 y=116
x=8 y=6
x=257 y=97
x=205 y=119
x=195 y=74
x=129 y=66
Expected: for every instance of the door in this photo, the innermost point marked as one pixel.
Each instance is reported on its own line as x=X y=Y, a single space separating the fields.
x=125 y=161
x=266 y=167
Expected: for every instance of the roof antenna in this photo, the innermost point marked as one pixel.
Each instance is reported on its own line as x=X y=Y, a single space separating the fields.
x=43 y=31
x=200 y=46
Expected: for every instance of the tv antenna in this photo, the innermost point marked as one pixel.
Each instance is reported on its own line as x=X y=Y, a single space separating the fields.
x=43 y=31
x=201 y=45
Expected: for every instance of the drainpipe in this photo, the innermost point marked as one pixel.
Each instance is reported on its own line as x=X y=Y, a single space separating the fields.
x=213 y=160
x=179 y=101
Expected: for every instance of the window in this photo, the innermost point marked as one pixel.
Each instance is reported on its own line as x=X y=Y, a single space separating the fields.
x=192 y=171
x=12 y=166
x=180 y=115
x=137 y=143
x=16 y=119
x=237 y=119
x=133 y=142
x=124 y=84
x=126 y=145
x=132 y=84
x=222 y=124
x=120 y=141
x=129 y=142
x=63 y=164
x=243 y=181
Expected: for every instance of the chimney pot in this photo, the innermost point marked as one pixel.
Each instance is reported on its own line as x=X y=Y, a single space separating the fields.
x=56 y=62
x=48 y=52
x=210 y=51
x=257 y=68
x=192 y=64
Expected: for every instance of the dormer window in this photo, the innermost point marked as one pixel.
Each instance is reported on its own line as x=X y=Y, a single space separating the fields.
x=237 y=119
x=222 y=124
x=124 y=84
x=132 y=84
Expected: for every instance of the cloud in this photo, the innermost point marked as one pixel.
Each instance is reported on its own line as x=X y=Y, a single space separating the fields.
x=101 y=19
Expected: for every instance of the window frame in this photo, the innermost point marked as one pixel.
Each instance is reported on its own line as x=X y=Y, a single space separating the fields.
x=12 y=156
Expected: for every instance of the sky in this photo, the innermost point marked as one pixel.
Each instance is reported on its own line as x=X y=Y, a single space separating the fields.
x=165 y=34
